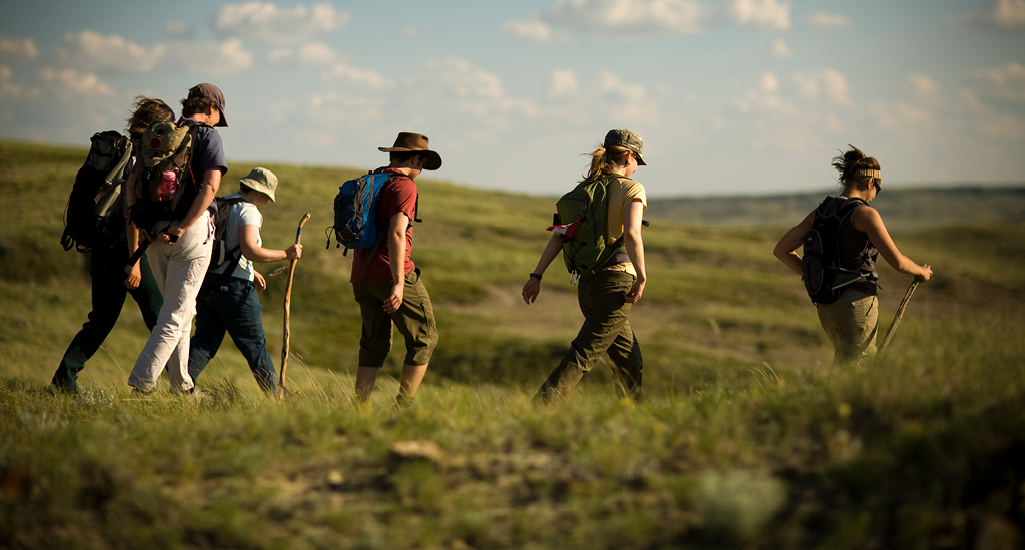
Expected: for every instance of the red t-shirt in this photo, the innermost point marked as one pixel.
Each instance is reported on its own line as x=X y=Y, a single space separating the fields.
x=398 y=195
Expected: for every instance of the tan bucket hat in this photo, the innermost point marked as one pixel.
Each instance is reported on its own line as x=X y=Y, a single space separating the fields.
x=408 y=141
x=262 y=180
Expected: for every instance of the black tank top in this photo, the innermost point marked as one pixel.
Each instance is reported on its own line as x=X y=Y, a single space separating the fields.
x=857 y=251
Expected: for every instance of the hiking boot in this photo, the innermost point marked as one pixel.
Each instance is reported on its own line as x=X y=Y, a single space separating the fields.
x=195 y=394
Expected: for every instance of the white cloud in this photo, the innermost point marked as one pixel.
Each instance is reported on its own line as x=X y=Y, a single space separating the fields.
x=68 y=83
x=1008 y=15
x=279 y=55
x=1006 y=82
x=564 y=84
x=991 y=122
x=177 y=29
x=266 y=22
x=209 y=58
x=316 y=53
x=900 y=116
x=626 y=102
x=923 y=85
x=18 y=49
x=11 y=89
x=780 y=49
x=475 y=90
x=364 y=77
x=761 y=14
x=617 y=18
x=828 y=83
x=94 y=51
x=821 y=20
x=528 y=31
x=764 y=97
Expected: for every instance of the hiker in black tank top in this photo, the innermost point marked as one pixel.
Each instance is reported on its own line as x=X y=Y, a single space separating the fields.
x=851 y=321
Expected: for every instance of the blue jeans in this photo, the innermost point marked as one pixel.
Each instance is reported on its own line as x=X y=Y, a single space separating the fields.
x=231 y=306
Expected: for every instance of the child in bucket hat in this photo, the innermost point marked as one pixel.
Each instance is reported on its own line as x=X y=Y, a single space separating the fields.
x=228 y=298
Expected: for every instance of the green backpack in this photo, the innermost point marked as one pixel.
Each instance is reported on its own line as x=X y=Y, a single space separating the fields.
x=582 y=221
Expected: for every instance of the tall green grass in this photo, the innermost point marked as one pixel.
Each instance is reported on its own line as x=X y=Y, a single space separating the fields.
x=745 y=439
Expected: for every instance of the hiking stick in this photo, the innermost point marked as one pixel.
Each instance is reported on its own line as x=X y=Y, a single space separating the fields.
x=288 y=300
x=900 y=313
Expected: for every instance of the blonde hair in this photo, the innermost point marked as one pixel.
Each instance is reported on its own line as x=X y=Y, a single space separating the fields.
x=603 y=160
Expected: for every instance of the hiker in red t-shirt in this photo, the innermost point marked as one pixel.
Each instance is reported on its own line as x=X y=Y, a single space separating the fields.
x=386 y=283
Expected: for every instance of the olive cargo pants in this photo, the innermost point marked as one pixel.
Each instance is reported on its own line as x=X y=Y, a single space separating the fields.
x=606 y=328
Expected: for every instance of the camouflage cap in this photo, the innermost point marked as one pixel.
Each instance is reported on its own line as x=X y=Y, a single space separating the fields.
x=625 y=138
x=262 y=180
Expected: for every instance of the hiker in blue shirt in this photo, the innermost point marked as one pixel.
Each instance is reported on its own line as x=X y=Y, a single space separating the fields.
x=181 y=238
x=227 y=300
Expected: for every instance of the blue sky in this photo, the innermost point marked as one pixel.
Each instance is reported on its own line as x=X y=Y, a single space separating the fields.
x=732 y=96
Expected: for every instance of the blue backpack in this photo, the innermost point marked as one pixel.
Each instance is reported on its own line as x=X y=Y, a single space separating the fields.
x=356 y=213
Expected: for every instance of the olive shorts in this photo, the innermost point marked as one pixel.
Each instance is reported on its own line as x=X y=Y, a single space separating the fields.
x=414 y=320
x=851 y=324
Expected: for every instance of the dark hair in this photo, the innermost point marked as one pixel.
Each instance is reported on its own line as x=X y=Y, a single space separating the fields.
x=850 y=162
x=402 y=156
x=193 y=105
x=602 y=160
x=146 y=111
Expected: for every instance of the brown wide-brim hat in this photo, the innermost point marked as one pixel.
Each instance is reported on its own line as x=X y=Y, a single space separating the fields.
x=408 y=141
x=210 y=91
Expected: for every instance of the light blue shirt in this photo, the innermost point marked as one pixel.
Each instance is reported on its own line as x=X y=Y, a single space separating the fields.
x=241 y=214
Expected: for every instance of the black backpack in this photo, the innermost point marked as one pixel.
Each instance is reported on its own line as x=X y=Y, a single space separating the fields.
x=825 y=278
x=220 y=208
x=93 y=217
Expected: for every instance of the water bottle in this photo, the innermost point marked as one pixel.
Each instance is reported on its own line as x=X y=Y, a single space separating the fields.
x=168 y=185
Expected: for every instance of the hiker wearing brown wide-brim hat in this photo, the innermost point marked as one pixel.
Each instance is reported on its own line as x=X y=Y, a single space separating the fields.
x=386 y=284
x=410 y=142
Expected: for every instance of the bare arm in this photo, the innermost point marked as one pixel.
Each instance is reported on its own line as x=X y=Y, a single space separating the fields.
x=396 y=236
x=533 y=286
x=131 y=231
x=207 y=192
x=786 y=248
x=249 y=235
x=868 y=221
x=632 y=217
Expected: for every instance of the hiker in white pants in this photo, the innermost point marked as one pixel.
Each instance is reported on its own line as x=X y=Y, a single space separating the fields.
x=179 y=270
x=178 y=227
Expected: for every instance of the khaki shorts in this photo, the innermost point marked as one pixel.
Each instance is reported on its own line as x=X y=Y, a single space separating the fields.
x=851 y=324
x=414 y=320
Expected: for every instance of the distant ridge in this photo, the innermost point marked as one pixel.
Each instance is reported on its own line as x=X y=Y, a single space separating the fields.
x=902 y=209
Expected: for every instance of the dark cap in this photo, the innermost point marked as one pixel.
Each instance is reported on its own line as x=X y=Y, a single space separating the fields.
x=210 y=91
x=408 y=141
x=625 y=138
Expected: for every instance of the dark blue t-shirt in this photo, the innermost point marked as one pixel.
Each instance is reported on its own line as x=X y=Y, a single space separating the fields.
x=208 y=153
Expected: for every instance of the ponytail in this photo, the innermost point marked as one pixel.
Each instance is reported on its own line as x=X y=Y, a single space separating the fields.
x=602 y=160
x=852 y=165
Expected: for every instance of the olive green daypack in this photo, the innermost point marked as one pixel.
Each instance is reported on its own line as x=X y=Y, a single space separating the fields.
x=582 y=221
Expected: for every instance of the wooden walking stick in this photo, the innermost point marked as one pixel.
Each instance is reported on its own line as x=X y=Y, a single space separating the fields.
x=900 y=313
x=288 y=299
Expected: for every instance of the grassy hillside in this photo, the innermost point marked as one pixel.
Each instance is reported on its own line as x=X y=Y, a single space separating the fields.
x=903 y=209
x=746 y=438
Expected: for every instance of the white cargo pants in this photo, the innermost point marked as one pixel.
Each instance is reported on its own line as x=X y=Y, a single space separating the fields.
x=179 y=270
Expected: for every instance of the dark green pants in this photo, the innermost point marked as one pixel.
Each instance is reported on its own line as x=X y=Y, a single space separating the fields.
x=107 y=268
x=606 y=329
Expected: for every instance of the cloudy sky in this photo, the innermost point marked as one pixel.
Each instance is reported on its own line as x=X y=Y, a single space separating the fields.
x=730 y=96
